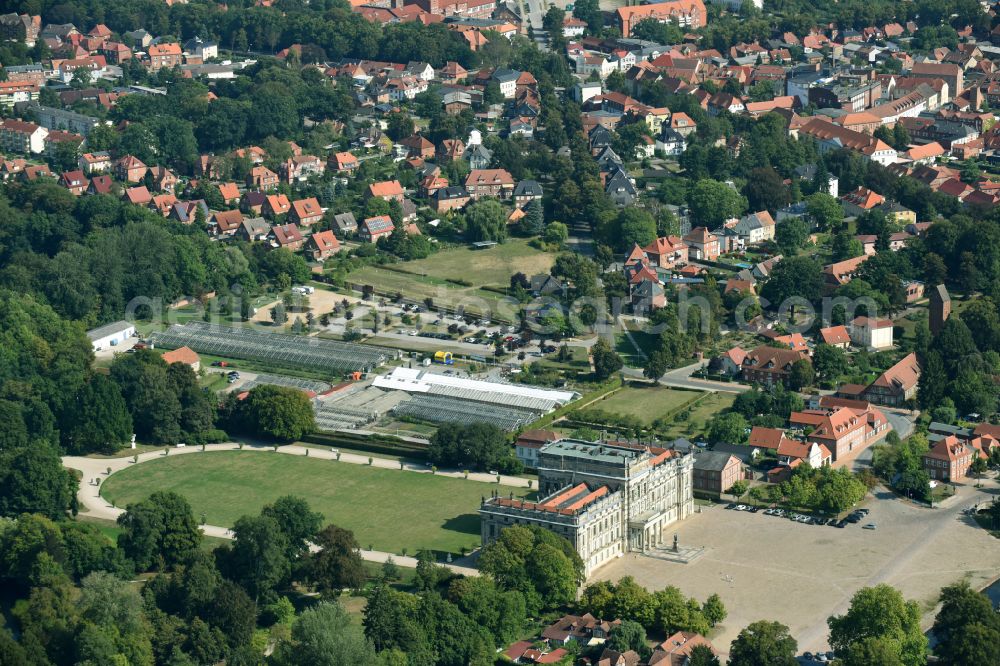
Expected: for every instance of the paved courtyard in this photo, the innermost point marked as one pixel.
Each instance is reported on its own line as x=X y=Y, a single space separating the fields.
x=765 y=567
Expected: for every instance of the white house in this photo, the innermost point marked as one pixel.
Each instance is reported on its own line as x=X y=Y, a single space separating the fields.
x=756 y=227
x=111 y=335
x=871 y=333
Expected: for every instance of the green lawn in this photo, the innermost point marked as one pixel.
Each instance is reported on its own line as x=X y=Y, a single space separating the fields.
x=644 y=402
x=701 y=412
x=387 y=509
x=429 y=278
x=492 y=266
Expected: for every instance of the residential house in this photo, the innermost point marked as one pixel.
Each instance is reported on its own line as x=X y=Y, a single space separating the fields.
x=792 y=453
x=871 y=333
x=478 y=156
x=620 y=188
x=186 y=212
x=756 y=227
x=98 y=162
x=287 y=236
x=453 y=197
x=74 y=181
x=163 y=178
x=36 y=171
x=728 y=363
x=860 y=201
x=253 y=229
x=299 y=168
x=130 y=169
x=101 y=184
x=840 y=273
x=949 y=459
x=230 y=192
x=897 y=385
x=835 y=336
x=677 y=649
x=18 y=136
x=275 y=205
x=767 y=439
x=343 y=162
x=667 y=252
x=767 y=365
x=489 y=183
x=322 y=245
x=702 y=244
x=163 y=203
x=345 y=223
x=261 y=178
x=389 y=190
x=688 y=14
x=226 y=222
x=832 y=137
x=167 y=55
x=138 y=195
x=716 y=472
x=373 y=228
x=306 y=212
x=527 y=190
x=584 y=629
x=418 y=146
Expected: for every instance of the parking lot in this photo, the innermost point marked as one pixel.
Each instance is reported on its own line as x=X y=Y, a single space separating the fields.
x=769 y=567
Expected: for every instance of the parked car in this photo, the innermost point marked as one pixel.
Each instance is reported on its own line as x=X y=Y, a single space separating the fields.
x=870 y=526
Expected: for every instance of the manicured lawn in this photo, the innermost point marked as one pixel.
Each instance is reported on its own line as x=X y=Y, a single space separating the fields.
x=646 y=403
x=387 y=509
x=701 y=412
x=492 y=266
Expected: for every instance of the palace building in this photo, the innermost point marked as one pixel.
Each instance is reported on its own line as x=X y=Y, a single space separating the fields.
x=606 y=498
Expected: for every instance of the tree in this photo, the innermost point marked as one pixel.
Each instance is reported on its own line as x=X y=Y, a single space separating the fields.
x=880 y=612
x=280 y=413
x=702 y=655
x=714 y=610
x=629 y=635
x=829 y=362
x=800 y=277
x=738 y=489
x=112 y=612
x=791 y=235
x=606 y=360
x=33 y=480
x=763 y=642
x=824 y=210
x=325 y=636
x=632 y=226
x=101 y=422
x=729 y=427
x=541 y=564
x=556 y=233
x=159 y=532
x=278 y=314
x=486 y=221
x=765 y=190
x=257 y=559
x=533 y=222
x=400 y=126
x=713 y=202
x=966 y=627
x=338 y=563
x=479 y=446
x=801 y=375
x=297 y=522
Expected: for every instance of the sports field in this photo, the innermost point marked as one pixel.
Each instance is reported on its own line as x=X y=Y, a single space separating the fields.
x=387 y=510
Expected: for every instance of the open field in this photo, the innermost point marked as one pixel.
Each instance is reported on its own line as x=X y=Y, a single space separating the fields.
x=492 y=266
x=644 y=402
x=701 y=412
x=388 y=510
x=772 y=568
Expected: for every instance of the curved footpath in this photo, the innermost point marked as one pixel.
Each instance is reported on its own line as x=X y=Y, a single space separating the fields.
x=94 y=505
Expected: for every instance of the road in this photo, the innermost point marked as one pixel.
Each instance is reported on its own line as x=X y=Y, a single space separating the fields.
x=96 y=506
x=681 y=378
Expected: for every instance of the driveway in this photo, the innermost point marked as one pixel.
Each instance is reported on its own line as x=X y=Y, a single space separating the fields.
x=681 y=378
